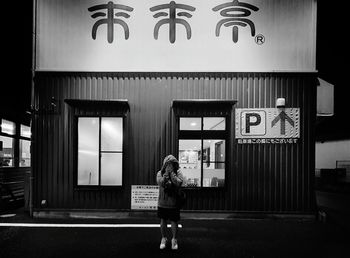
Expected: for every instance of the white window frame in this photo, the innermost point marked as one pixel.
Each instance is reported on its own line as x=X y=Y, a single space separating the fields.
x=100 y=185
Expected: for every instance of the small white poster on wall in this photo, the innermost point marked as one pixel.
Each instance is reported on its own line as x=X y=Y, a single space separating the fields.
x=144 y=197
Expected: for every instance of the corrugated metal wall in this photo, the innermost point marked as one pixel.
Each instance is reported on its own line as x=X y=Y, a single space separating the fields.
x=265 y=177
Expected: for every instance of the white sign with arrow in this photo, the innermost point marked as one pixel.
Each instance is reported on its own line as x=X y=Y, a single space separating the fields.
x=268 y=123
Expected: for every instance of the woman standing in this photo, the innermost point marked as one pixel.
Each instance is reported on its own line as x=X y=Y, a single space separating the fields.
x=169 y=179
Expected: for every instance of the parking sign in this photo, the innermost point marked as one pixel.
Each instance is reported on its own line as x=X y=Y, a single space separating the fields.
x=253 y=123
x=268 y=123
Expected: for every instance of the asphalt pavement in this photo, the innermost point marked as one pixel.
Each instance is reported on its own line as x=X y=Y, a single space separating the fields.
x=197 y=238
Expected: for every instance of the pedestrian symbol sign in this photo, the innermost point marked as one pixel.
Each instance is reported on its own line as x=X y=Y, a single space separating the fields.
x=267 y=123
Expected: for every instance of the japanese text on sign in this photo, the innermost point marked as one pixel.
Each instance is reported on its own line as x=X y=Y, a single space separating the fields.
x=267 y=125
x=144 y=197
x=166 y=35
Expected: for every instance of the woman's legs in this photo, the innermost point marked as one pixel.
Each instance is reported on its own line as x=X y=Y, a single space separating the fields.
x=174 y=229
x=163 y=232
x=163 y=226
x=174 y=245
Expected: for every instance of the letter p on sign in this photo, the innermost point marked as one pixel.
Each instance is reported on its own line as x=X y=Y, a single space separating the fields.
x=253 y=122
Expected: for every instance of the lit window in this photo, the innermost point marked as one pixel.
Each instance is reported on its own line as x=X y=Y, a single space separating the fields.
x=111 y=151
x=202 y=152
x=214 y=123
x=6 y=151
x=100 y=151
x=24 y=150
x=190 y=123
x=8 y=127
x=213 y=163
x=190 y=161
x=25 y=131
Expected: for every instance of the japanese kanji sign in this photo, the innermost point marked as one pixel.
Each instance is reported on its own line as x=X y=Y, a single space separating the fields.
x=110 y=20
x=172 y=20
x=277 y=125
x=144 y=197
x=236 y=12
x=176 y=36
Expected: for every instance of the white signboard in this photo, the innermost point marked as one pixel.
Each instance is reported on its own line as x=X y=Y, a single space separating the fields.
x=267 y=125
x=176 y=36
x=144 y=197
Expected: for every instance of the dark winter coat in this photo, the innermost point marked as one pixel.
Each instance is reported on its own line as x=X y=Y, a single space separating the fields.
x=169 y=179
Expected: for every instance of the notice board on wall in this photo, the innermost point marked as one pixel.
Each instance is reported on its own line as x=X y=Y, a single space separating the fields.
x=144 y=197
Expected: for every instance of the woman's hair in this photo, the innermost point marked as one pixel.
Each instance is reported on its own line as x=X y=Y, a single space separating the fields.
x=170 y=160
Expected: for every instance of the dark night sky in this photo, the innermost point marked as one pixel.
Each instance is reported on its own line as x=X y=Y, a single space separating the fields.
x=332 y=64
x=332 y=51
x=16 y=61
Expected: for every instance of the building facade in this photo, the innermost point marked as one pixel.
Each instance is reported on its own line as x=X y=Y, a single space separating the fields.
x=113 y=97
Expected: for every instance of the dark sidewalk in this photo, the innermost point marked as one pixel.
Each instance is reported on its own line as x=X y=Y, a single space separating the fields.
x=197 y=238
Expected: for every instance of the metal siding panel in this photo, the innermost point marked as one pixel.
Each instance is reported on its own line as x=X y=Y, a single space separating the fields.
x=37 y=150
x=262 y=178
x=54 y=190
x=65 y=172
x=57 y=164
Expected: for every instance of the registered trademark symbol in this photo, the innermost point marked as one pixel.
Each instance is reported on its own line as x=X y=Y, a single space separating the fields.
x=259 y=39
